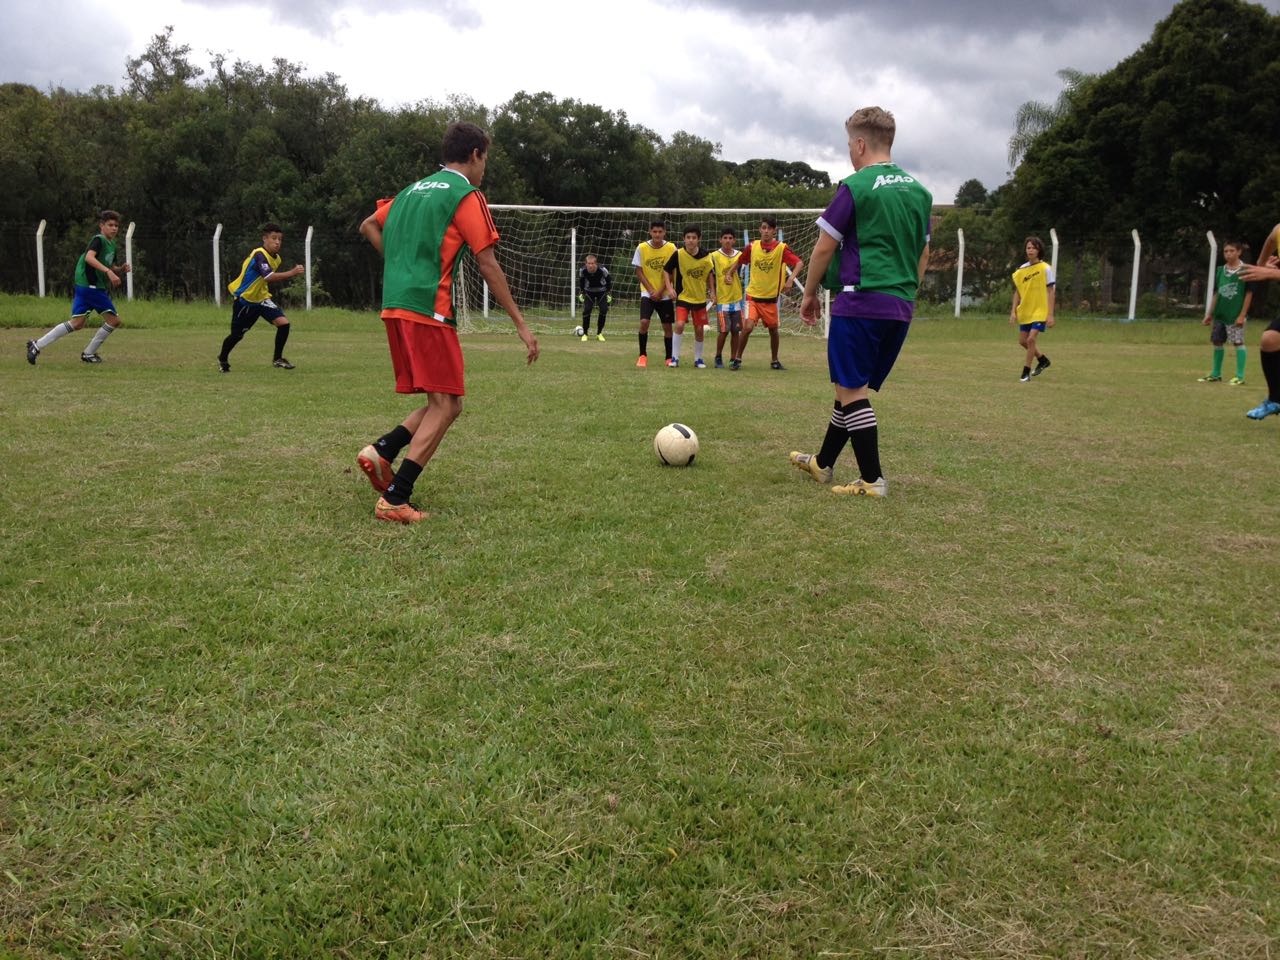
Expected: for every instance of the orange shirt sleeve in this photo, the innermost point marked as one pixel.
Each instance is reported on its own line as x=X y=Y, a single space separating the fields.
x=384 y=207
x=474 y=222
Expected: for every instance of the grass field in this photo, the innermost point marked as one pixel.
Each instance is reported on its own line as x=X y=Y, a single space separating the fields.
x=1024 y=707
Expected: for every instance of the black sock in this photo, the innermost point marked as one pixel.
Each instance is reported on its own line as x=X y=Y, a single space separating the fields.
x=644 y=343
x=1271 y=370
x=401 y=488
x=837 y=436
x=1026 y=371
x=390 y=444
x=864 y=436
x=666 y=342
x=282 y=334
x=228 y=344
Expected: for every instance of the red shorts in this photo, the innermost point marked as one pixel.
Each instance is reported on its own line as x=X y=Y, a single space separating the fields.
x=697 y=314
x=426 y=357
x=766 y=313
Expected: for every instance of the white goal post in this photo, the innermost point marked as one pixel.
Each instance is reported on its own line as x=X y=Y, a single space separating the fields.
x=542 y=249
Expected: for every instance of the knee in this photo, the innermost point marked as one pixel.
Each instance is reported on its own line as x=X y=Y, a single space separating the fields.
x=282 y=322
x=454 y=408
x=112 y=321
x=77 y=323
x=1270 y=341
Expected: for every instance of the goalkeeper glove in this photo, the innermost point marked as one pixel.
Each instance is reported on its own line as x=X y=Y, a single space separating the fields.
x=609 y=298
x=582 y=298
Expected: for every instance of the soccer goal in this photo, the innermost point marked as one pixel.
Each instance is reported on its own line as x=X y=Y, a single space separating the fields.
x=542 y=249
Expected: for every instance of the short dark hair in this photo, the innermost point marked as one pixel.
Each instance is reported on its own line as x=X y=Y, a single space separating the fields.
x=463 y=139
x=1037 y=243
x=729 y=230
x=106 y=215
x=772 y=222
x=657 y=223
x=271 y=227
x=694 y=229
x=1233 y=242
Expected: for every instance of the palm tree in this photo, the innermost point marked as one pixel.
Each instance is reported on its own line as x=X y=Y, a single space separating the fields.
x=1035 y=116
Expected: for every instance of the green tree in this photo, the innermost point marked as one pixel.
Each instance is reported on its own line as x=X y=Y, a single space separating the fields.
x=971 y=194
x=1035 y=117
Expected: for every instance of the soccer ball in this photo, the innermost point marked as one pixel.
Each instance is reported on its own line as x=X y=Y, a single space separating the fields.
x=578 y=331
x=676 y=445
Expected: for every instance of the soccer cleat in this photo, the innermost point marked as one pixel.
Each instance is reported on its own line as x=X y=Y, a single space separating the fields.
x=32 y=352
x=224 y=366
x=860 y=488
x=735 y=364
x=700 y=364
x=90 y=358
x=643 y=361
x=375 y=468
x=1210 y=378
x=777 y=365
x=282 y=363
x=1041 y=366
x=600 y=337
x=1236 y=381
x=1025 y=378
x=585 y=338
x=808 y=463
x=719 y=363
x=1266 y=408
x=405 y=513
x=673 y=362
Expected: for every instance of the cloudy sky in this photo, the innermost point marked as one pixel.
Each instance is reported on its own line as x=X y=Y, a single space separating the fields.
x=748 y=74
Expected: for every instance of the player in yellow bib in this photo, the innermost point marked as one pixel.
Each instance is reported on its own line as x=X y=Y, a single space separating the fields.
x=728 y=297
x=656 y=287
x=251 y=297
x=695 y=288
x=1033 y=302
x=774 y=267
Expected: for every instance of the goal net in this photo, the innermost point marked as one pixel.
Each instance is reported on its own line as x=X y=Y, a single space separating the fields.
x=543 y=248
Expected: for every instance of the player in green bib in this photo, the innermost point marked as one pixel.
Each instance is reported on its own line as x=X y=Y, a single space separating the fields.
x=1228 y=311
x=96 y=273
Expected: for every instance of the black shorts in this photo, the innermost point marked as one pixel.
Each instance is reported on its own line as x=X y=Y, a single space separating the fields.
x=245 y=314
x=666 y=309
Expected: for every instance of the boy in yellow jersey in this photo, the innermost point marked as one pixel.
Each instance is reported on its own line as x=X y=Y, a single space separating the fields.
x=1032 y=310
x=774 y=267
x=695 y=288
x=251 y=297
x=728 y=297
x=656 y=287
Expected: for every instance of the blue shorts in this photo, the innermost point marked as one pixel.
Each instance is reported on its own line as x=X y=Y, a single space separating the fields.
x=861 y=352
x=91 y=298
x=1028 y=327
x=245 y=314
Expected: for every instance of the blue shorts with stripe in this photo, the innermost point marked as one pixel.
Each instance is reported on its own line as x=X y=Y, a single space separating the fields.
x=245 y=313
x=861 y=352
x=87 y=299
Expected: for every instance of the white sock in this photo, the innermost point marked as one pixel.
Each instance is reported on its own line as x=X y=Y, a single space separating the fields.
x=675 y=345
x=57 y=333
x=697 y=349
x=103 y=332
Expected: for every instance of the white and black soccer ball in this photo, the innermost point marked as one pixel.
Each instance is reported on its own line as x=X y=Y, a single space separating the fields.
x=675 y=445
x=578 y=331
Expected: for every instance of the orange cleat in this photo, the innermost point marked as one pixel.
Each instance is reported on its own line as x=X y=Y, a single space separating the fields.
x=643 y=361
x=405 y=513
x=375 y=468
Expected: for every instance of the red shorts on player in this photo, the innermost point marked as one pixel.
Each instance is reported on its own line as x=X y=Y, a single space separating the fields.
x=426 y=357
x=766 y=313
x=697 y=314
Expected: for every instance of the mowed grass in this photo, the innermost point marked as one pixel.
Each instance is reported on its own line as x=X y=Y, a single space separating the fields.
x=1024 y=707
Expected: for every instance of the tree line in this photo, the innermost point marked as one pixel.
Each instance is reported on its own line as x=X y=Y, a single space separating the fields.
x=179 y=149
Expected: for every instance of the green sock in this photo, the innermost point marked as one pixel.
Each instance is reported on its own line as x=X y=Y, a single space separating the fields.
x=1217 y=361
x=1239 y=363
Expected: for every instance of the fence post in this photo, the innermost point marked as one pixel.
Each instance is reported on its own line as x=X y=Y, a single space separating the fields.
x=1053 y=261
x=1133 y=283
x=40 y=257
x=1212 y=268
x=959 y=268
x=306 y=254
x=128 y=258
x=217 y=268
x=573 y=280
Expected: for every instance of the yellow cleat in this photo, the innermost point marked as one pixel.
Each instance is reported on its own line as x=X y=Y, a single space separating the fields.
x=860 y=488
